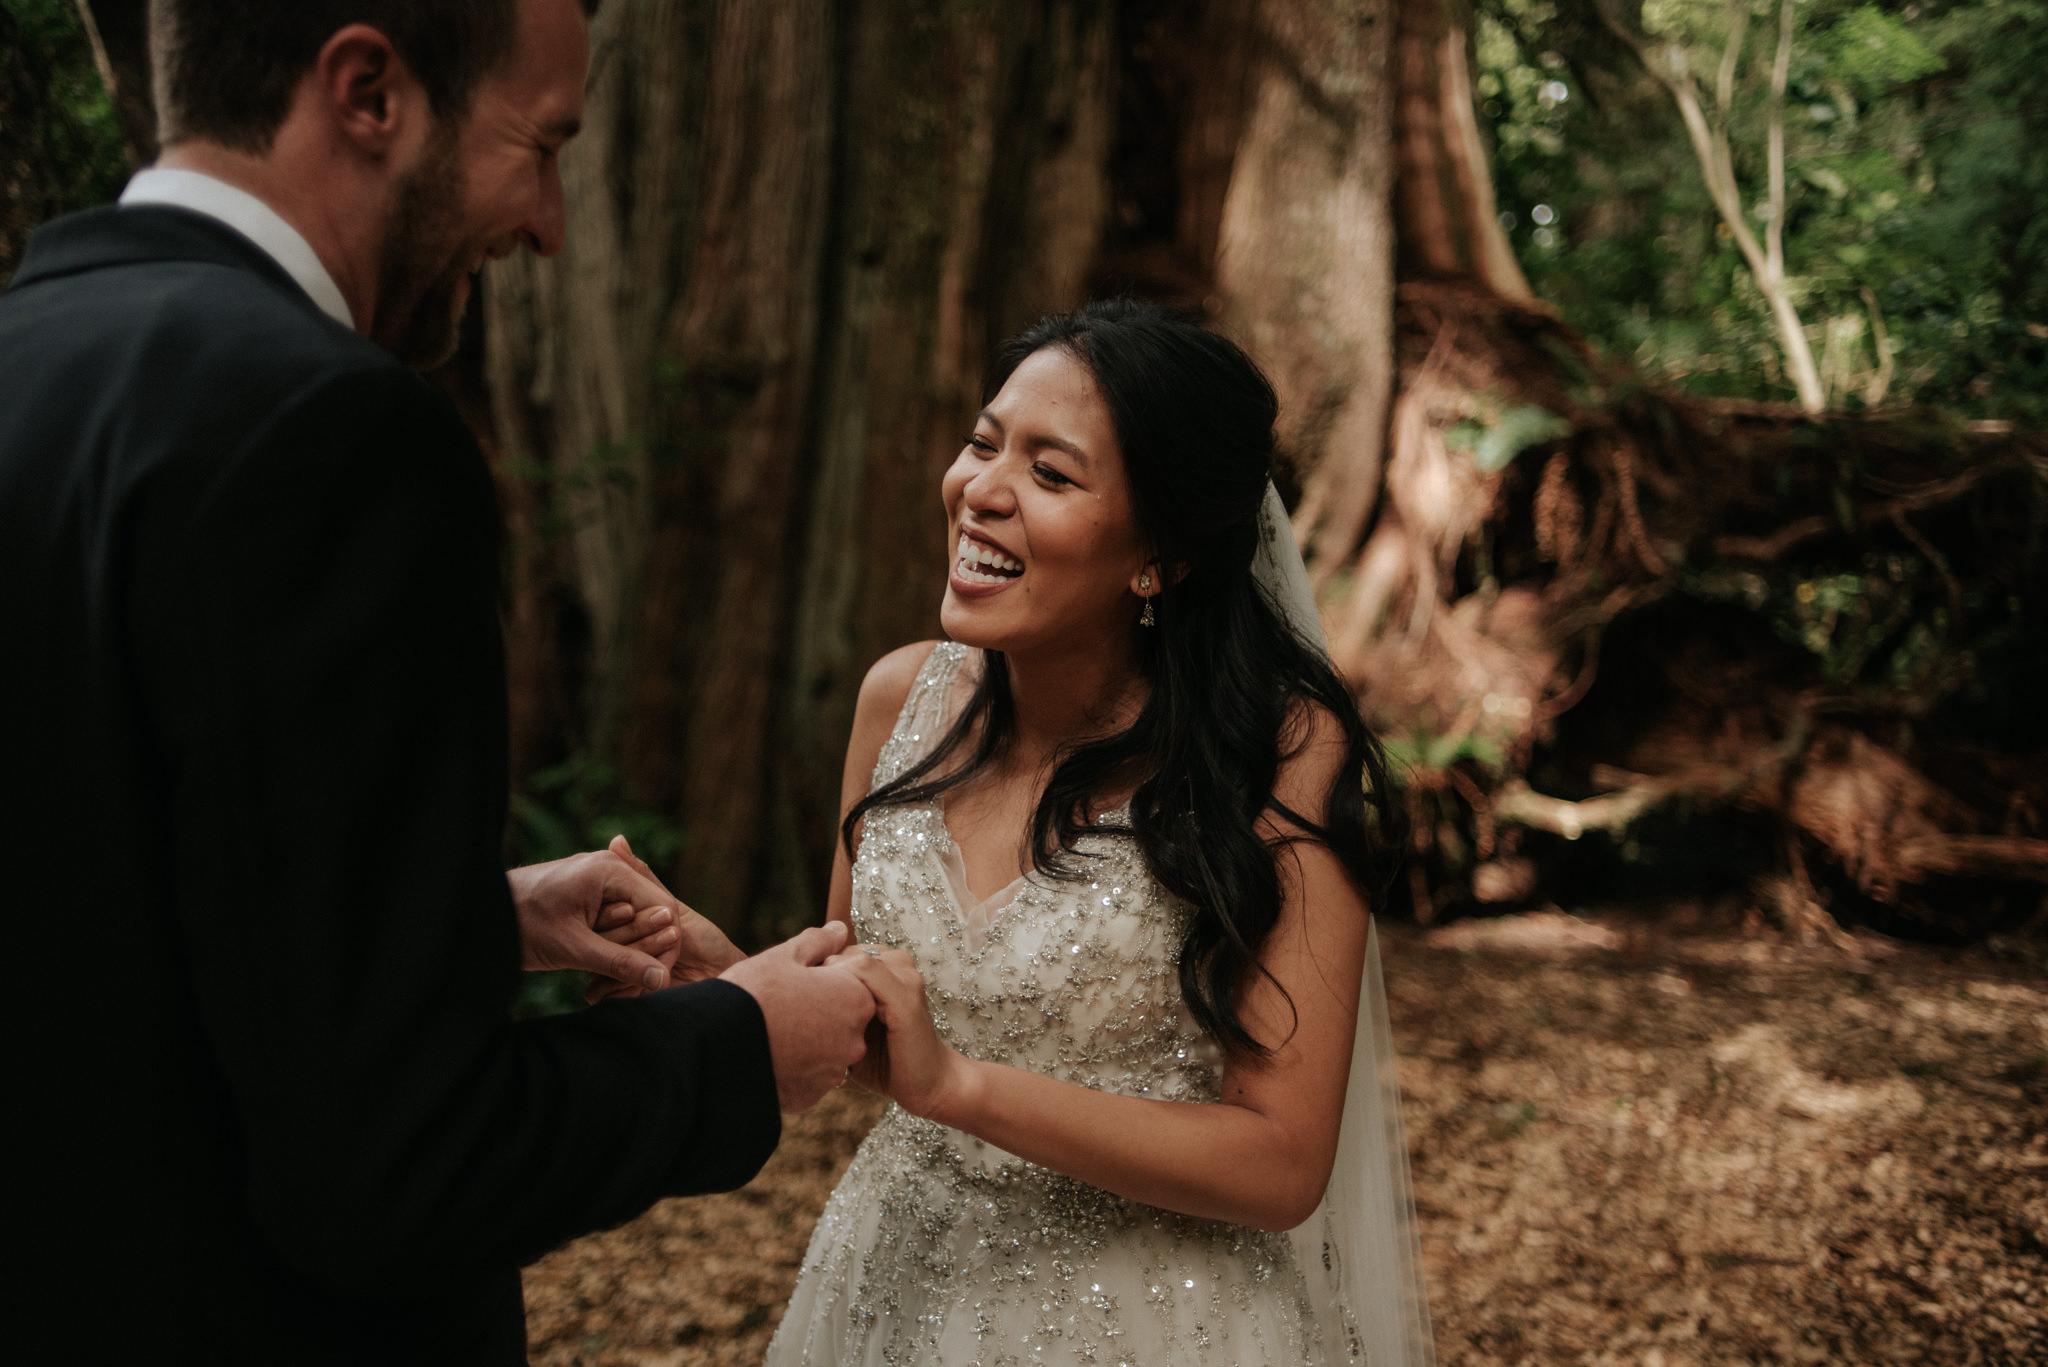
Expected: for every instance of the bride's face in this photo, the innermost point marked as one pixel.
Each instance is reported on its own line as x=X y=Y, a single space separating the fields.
x=1046 y=550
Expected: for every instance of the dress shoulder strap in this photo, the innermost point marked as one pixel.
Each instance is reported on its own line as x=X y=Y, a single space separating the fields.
x=925 y=714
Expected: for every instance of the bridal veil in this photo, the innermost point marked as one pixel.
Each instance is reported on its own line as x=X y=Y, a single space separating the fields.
x=1359 y=1250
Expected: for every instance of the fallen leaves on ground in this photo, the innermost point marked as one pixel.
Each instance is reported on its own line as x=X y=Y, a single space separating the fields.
x=1629 y=1147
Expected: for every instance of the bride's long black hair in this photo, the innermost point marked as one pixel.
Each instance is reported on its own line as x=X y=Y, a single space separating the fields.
x=1233 y=689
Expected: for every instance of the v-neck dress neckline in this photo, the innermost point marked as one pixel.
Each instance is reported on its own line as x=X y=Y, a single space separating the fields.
x=977 y=914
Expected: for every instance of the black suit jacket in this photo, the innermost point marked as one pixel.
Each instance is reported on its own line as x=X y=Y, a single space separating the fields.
x=252 y=786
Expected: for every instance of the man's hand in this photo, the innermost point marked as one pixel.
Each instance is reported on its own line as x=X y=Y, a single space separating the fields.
x=567 y=907
x=695 y=950
x=817 y=1017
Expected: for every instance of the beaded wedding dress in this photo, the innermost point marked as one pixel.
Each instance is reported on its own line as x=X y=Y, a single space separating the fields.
x=939 y=1248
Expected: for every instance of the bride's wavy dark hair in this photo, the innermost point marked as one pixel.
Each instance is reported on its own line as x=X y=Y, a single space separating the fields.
x=1233 y=688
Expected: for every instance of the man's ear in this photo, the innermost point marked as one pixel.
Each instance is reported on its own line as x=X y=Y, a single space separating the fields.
x=367 y=90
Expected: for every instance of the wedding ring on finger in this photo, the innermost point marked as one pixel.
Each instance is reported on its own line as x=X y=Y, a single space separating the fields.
x=871 y=951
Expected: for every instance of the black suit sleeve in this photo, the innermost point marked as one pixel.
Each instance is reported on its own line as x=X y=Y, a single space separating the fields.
x=316 y=624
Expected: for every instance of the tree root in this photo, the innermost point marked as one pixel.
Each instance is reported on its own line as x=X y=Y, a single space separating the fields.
x=1861 y=571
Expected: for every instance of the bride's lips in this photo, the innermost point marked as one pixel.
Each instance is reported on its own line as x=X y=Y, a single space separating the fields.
x=981 y=567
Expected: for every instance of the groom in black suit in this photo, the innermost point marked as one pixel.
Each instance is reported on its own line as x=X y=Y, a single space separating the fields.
x=254 y=747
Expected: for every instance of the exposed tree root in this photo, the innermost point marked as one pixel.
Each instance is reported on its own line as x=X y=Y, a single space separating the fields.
x=1584 y=602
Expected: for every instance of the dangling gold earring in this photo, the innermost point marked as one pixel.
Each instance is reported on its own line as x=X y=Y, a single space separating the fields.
x=1146 y=619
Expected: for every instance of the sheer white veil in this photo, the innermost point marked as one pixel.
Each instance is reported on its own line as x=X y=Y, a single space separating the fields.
x=1359 y=1250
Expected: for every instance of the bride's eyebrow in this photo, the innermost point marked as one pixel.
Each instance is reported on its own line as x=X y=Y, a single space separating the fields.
x=1061 y=444
x=1040 y=440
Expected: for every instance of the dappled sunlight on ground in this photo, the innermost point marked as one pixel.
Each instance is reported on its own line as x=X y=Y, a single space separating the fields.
x=1710 y=1152
x=1630 y=1147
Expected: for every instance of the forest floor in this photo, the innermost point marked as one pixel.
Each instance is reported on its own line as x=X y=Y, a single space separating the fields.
x=1637 y=1139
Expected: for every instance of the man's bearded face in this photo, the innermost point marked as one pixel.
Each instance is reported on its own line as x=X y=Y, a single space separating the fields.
x=424 y=285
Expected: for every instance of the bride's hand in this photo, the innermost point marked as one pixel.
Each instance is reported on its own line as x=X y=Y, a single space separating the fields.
x=694 y=950
x=906 y=1060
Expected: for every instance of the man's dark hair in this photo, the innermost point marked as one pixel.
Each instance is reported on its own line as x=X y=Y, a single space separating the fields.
x=226 y=69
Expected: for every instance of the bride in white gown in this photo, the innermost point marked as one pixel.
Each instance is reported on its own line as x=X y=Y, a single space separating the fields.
x=1110 y=851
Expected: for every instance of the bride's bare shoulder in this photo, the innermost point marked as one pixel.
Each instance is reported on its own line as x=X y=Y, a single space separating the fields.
x=887 y=687
x=882 y=695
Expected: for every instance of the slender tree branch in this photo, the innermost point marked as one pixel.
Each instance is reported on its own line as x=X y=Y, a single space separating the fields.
x=1724 y=85
x=1880 y=383
x=1805 y=376
x=99 y=49
x=1717 y=167
x=1774 y=226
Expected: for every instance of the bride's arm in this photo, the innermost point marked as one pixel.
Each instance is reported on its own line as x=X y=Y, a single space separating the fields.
x=1262 y=1154
x=882 y=695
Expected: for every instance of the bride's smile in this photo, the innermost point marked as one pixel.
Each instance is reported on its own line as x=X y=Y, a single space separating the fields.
x=984 y=563
x=1046 y=548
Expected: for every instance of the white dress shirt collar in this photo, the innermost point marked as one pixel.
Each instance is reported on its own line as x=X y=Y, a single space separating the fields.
x=250 y=217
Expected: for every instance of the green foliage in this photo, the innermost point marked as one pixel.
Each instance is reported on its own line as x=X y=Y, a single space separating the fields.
x=577 y=805
x=78 y=120
x=1426 y=752
x=1917 y=157
x=1871 y=51
x=60 y=144
x=549 y=994
x=1900 y=632
x=1517 y=428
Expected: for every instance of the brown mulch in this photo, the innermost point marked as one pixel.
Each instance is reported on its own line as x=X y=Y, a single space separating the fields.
x=697 y=1280
x=1632 y=1144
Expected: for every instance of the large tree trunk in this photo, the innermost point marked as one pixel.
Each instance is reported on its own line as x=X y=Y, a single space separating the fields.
x=653 y=383
x=1306 y=257
x=1449 y=223
x=740 y=382
x=971 y=201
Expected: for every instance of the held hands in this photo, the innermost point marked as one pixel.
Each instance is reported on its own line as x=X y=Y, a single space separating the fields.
x=606 y=912
x=816 y=1017
x=701 y=949
x=906 y=1060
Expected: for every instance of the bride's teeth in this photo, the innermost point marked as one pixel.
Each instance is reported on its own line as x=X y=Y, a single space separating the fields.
x=972 y=554
x=988 y=557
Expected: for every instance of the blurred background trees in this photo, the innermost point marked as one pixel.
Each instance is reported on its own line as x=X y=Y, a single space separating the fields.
x=1636 y=622
x=60 y=142
x=1915 y=172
